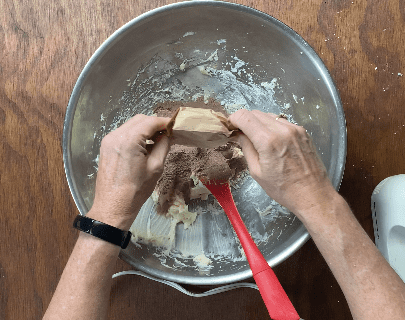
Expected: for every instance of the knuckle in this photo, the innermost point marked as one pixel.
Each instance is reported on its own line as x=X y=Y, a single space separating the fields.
x=147 y=121
x=281 y=136
x=270 y=141
x=138 y=118
x=268 y=137
x=290 y=133
x=301 y=130
x=238 y=116
x=108 y=140
x=285 y=135
x=112 y=141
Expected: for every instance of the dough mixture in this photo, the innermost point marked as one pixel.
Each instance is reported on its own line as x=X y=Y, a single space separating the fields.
x=184 y=165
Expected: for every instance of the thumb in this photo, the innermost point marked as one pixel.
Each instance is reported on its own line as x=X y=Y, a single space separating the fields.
x=158 y=154
x=249 y=151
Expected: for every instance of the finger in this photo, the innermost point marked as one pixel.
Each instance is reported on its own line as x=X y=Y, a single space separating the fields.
x=151 y=125
x=261 y=114
x=270 y=118
x=158 y=154
x=144 y=125
x=248 y=149
x=251 y=126
x=246 y=121
x=279 y=117
x=267 y=119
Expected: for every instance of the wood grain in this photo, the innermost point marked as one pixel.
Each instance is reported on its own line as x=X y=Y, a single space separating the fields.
x=44 y=45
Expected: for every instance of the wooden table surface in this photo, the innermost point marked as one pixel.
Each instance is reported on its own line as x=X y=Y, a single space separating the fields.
x=44 y=45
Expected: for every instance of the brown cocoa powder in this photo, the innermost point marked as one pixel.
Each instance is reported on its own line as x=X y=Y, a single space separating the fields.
x=183 y=161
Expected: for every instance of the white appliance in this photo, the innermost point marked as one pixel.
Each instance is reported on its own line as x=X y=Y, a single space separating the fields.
x=388 y=211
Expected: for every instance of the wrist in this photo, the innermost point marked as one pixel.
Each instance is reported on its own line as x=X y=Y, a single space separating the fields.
x=323 y=212
x=312 y=202
x=95 y=243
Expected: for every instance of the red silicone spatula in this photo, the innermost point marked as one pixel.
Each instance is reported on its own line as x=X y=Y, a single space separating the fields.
x=277 y=302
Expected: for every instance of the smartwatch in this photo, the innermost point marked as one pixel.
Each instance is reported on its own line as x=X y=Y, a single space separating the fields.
x=102 y=231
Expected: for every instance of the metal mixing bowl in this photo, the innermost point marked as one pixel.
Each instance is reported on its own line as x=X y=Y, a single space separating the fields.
x=139 y=65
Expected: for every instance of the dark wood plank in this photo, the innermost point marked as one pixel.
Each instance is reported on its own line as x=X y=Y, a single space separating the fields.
x=43 y=48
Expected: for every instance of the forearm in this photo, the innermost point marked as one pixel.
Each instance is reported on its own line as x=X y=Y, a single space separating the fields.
x=127 y=174
x=372 y=288
x=83 y=291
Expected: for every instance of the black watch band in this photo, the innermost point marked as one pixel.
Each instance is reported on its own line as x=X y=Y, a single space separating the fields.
x=103 y=231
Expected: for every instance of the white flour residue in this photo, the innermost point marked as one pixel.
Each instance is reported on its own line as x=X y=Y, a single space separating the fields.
x=202 y=261
x=266 y=211
x=239 y=63
x=270 y=86
x=272 y=211
x=188 y=34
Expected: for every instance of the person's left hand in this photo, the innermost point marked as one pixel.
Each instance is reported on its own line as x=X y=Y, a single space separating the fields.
x=128 y=171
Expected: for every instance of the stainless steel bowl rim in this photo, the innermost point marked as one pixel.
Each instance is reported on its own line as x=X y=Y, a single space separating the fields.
x=67 y=128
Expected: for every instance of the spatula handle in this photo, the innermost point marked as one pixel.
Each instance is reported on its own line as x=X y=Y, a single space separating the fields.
x=277 y=302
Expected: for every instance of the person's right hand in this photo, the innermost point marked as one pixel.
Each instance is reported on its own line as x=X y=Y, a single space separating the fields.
x=283 y=160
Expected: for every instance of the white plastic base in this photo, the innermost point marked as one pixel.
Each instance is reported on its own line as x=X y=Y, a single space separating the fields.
x=388 y=211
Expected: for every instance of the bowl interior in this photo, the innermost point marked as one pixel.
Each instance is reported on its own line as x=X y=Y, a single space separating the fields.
x=250 y=60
